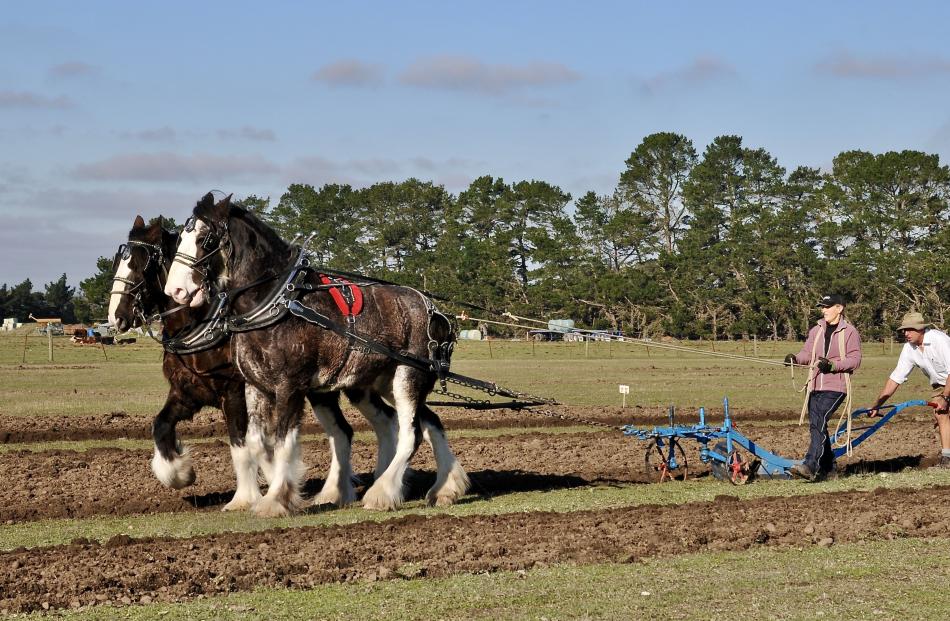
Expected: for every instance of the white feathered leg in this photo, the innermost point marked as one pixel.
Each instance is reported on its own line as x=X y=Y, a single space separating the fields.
x=387 y=492
x=177 y=472
x=338 y=488
x=245 y=470
x=382 y=419
x=452 y=481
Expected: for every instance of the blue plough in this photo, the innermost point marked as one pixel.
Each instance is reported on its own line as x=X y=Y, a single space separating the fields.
x=666 y=459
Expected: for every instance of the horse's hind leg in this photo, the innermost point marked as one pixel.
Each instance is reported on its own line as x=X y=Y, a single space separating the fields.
x=283 y=493
x=245 y=465
x=171 y=463
x=382 y=418
x=452 y=482
x=338 y=487
x=388 y=492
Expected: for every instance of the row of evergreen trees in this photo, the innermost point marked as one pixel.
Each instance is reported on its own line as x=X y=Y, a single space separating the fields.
x=725 y=244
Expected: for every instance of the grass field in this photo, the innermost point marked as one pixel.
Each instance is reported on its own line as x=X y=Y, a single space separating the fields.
x=897 y=579
x=81 y=381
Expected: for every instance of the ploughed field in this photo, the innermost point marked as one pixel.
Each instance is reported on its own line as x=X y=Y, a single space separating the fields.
x=85 y=526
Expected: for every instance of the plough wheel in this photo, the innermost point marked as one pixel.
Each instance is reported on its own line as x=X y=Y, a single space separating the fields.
x=738 y=468
x=665 y=462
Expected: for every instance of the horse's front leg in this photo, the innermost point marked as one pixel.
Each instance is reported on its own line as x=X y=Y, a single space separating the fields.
x=171 y=463
x=283 y=493
x=234 y=406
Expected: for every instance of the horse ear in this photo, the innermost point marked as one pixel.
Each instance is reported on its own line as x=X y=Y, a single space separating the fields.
x=207 y=200
x=139 y=223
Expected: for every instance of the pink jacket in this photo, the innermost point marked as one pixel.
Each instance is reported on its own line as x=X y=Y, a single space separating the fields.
x=847 y=363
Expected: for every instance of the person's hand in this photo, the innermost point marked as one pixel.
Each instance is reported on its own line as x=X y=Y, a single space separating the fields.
x=790 y=360
x=942 y=404
x=825 y=366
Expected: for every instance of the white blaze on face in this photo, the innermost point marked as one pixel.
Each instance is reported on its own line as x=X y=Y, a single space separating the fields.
x=181 y=285
x=123 y=271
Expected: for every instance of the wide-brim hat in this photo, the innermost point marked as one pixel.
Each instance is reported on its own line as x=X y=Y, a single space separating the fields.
x=913 y=321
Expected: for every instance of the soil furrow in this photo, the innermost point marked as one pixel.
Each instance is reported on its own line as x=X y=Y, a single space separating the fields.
x=123 y=570
x=109 y=481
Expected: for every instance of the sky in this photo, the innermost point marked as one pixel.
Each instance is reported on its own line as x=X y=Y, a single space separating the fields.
x=113 y=109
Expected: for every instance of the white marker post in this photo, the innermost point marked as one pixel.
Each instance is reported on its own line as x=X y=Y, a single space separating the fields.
x=624 y=391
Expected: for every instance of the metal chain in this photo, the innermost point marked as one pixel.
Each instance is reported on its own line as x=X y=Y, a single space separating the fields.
x=575 y=419
x=526 y=397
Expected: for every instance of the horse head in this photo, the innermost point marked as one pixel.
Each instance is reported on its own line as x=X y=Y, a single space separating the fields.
x=139 y=269
x=198 y=262
x=222 y=244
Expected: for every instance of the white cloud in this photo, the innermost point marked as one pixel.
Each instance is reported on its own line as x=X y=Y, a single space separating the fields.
x=167 y=166
x=843 y=64
x=247 y=133
x=701 y=70
x=158 y=134
x=459 y=73
x=33 y=101
x=349 y=72
x=73 y=69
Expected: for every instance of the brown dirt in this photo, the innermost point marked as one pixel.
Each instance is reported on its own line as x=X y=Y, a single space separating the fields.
x=64 y=483
x=210 y=423
x=125 y=570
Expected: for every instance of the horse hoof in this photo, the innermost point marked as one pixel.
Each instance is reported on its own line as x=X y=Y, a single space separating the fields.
x=454 y=487
x=270 y=508
x=376 y=499
x=335 y=496
x=177 y=473
x=238 y=504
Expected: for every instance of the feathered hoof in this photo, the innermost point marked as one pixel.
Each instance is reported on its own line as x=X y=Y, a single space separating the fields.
x=377 y=498
x=333 y=495
x=239 y=504
x=177 y=473
x=455 y=486
x=271 y=508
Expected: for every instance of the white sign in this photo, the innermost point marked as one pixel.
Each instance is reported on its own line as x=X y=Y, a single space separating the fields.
x=624 y=389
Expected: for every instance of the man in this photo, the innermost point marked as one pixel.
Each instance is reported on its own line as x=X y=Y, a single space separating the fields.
x=832 y=352
x=928 y=349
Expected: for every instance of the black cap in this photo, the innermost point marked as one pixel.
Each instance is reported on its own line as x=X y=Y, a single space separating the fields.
x=830 y=300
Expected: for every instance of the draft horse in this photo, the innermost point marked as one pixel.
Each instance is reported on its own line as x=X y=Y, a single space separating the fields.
x=225 y=246
x=209 y=378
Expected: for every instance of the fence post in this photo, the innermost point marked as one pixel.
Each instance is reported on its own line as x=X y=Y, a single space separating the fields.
x=49 y=338
x=755 y=346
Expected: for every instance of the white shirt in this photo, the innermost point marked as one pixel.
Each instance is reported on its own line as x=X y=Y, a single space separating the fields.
x=933 y=358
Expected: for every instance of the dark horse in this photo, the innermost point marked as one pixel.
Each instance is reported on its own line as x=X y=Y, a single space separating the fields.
x=208 y=378
x=281 y=363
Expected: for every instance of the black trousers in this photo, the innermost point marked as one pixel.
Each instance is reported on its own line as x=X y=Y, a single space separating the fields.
x=820 y=458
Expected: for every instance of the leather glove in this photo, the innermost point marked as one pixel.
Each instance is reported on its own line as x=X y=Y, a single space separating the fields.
x=825 y=366
x=790 y=360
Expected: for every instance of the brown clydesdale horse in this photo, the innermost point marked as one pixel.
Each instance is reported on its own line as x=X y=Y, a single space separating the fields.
x=225 y=246
x=208 y=378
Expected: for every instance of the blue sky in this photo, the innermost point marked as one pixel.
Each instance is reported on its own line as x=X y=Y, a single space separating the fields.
x=111 y=109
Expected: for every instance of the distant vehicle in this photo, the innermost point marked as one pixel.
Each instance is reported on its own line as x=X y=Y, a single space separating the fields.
x=546 y=335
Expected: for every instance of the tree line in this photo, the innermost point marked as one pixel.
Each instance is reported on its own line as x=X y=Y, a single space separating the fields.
x=724 y=244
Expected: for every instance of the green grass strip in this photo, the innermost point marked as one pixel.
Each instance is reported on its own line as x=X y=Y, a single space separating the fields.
x=53 y=532
x=900 y=579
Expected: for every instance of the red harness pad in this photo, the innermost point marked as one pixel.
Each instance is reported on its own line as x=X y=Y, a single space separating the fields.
x=348 y=298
